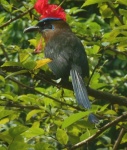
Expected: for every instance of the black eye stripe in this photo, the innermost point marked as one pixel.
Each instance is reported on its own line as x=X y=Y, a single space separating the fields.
x=45 y=25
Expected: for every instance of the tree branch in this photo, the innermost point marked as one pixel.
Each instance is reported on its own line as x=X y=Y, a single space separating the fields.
x=45 y=95
x=18 y=17
x=100 y=131
x=9 y=104
x=115 y=147
x=108 y=97
x=68 y=85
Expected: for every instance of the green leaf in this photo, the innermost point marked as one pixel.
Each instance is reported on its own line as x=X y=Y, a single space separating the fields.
x=33 y=42
x=11 y=63
x=104 y=107
x=5 y=137
x=62 y=136
x=122 y=56
x=123 y=12
x=32 y=113
x=124 y=139
x=29 y=65
x=111 y=112
x=15 y=131
x=2 y=19
x=5 y=113
x=85 y=135
x=2 y=79
x=6 y=5
x=23 y=56
x=95 y=49
x=124 y=2
x=16 y=73
x=18 y=143
x=73 y=118
x=33 y=132
x=90 y=2
x=43 y=145
x=7 y=96
x=3 y=148
x=4 y=121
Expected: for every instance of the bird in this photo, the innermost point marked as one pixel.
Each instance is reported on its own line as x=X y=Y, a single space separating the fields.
x=65 y=50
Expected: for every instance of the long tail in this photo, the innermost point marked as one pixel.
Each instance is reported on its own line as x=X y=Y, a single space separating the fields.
x=81 y=93
x=79 y=89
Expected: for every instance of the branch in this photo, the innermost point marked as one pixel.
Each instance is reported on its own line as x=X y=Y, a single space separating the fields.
x=12 y=104
x=100 y=131
x=115 y=13
x=108 y=97
x=18 y=17
x=115 y=147
x=48 y=96
x=116 y=99
x=98 y=64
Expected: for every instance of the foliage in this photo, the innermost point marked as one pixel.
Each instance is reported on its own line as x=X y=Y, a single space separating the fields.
x=37 y=112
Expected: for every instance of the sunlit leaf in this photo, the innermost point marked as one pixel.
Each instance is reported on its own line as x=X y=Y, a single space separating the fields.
x=11 y=63
x=23 y=56
x=62 y=136
x=90 y=2
x=73 y=118
x=33 y=132
x=2 y=79
x=42 y=62
x=4 y=121
x=6 y=5
x=124 y=139
x=31 y=114
x=5 y=113
x=30 y=65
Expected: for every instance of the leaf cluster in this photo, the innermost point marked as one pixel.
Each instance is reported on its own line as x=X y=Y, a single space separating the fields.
x=38 y=112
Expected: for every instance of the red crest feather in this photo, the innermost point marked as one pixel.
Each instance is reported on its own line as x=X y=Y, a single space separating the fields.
x=48 y=10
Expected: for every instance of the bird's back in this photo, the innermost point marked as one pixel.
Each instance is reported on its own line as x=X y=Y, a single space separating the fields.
x=65 y=50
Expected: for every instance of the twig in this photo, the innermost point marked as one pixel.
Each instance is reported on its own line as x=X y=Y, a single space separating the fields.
x=95 y=69
x=115 y=13
x=100 y=131
x=19 y=106
x=115 y=147
x=4 y=52
x=18 y=17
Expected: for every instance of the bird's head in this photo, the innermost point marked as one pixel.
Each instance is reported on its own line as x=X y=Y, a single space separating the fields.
x=52 y=19
x=49 y=27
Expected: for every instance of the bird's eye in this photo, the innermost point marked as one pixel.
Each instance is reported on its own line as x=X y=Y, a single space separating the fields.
x=45 y=25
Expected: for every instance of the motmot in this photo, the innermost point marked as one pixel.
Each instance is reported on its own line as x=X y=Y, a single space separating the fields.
x=65 y=50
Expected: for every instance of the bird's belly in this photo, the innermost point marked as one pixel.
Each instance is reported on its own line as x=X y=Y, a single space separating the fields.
x=59 y=69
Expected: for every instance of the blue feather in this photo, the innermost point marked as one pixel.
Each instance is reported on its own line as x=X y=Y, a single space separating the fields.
x=79 y=89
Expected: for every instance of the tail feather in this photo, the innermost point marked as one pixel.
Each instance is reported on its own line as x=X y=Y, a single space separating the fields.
x=81 y=93
x=79 y=89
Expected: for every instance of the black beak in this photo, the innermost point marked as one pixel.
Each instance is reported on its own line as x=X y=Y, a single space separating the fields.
x=31 y=29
